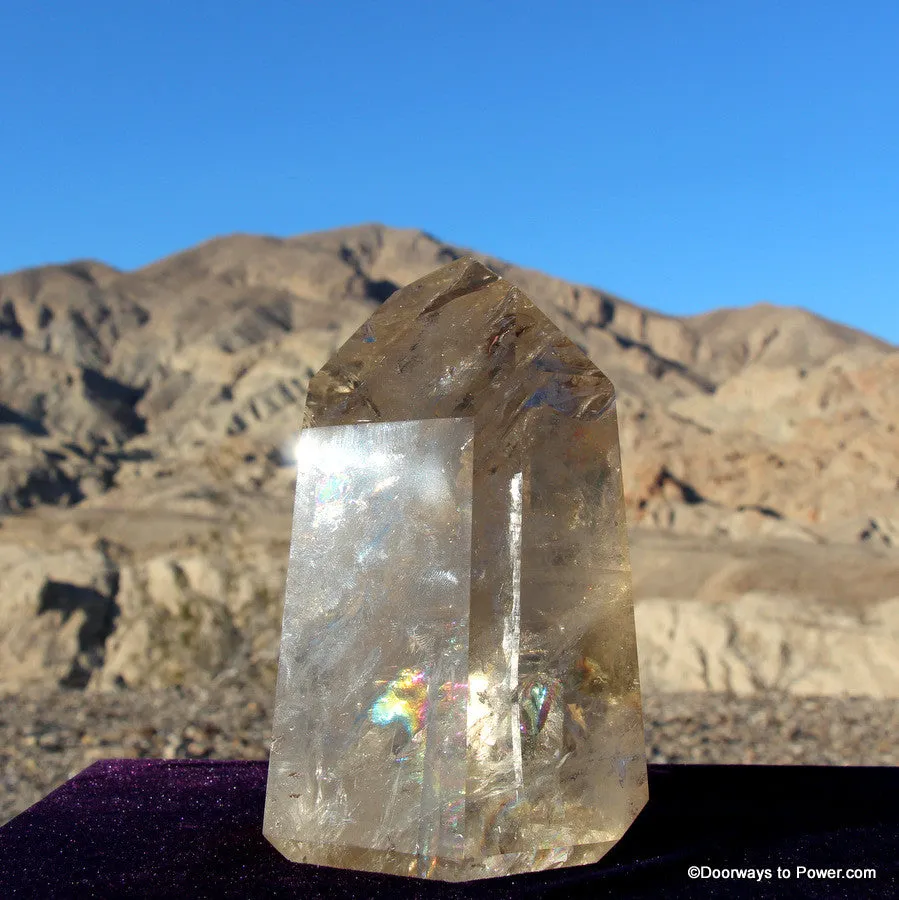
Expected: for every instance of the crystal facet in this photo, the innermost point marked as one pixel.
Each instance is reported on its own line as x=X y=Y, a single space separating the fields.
x=458 y=693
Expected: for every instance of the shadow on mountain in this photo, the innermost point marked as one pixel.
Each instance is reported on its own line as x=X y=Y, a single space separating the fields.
x=100 y=614
x=28 y=424
x=381 y=289
x=117 y=399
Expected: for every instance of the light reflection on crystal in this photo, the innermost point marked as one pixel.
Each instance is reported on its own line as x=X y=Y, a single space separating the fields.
x=405 y=700
x=477 y=707
x=383 y=485
x=512 y=622
x=537 y=700
x=333 y=489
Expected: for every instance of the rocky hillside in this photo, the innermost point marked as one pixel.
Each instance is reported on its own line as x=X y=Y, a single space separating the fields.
x=147 y=420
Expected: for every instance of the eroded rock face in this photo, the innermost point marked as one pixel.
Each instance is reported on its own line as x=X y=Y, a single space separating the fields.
x=158 y=410
x=765 y=642
x=59 y=609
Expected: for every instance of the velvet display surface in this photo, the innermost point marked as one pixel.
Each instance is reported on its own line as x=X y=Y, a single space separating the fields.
x=193 y=829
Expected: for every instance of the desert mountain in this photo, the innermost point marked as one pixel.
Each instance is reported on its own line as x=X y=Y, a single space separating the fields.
x=147 y=420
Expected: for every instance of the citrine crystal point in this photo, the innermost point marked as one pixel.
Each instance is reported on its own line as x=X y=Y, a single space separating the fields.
x=458 y=694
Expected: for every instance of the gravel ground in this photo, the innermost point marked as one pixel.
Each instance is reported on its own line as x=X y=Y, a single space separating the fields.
x=45 y=739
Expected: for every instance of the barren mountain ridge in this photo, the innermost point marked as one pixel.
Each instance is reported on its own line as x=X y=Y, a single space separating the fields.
x=147 y=420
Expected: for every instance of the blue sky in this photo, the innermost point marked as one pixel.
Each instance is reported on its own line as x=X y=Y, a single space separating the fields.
x=686 y=155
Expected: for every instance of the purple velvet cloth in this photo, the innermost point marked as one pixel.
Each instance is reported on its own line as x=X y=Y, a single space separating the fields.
x=192 y=829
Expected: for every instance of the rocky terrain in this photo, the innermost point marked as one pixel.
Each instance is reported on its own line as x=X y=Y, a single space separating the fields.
x=47 y=737
x=147 y=420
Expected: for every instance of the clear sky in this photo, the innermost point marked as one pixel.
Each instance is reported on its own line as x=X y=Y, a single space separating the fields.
x=686 y=155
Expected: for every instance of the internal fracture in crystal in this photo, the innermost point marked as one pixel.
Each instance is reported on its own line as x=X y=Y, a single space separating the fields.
x=458 y=694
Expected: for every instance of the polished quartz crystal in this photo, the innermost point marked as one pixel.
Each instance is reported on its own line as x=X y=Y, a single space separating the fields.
x=458 y=694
